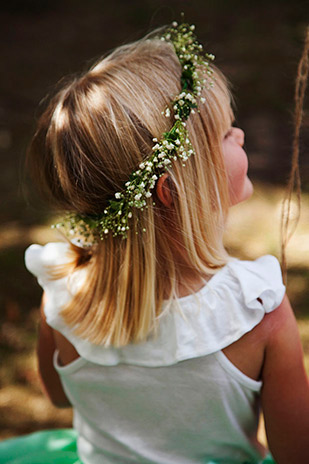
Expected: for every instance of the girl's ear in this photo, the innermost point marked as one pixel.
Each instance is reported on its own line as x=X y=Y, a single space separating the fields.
x=163 y=190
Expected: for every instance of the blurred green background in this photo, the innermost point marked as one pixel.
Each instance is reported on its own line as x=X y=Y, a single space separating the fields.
x=257 y=45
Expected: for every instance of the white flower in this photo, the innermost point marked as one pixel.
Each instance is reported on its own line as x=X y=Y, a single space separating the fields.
x=166 y=149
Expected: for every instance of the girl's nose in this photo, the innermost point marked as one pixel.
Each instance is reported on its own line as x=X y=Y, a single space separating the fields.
x=239 y=136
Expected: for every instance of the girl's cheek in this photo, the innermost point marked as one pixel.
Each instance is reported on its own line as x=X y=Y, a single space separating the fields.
x=240 y=186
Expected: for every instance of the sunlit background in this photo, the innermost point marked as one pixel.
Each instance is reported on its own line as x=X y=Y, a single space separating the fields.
x=257 y=44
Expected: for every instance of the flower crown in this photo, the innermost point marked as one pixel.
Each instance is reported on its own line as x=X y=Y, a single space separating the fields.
x=174 y=144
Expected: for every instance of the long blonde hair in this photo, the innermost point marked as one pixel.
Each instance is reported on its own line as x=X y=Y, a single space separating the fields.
x=94 y=133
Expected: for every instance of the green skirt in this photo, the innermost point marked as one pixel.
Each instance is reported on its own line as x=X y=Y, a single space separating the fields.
x=51 y=447
x=45 y=447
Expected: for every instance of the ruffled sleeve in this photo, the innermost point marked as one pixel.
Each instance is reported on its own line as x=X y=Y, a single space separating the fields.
x=231 y=304
x=39 y=259
x=42 y=261
x=259 y=280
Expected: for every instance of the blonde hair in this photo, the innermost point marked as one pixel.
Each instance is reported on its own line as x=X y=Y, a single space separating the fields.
x=94 y=133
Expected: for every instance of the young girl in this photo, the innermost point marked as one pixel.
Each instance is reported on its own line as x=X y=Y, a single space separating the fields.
x=164 y=345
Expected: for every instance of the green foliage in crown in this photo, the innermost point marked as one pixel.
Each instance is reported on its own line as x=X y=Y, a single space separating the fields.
x=174 y=145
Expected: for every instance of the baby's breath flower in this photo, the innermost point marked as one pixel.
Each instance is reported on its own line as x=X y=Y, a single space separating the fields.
x=174 y=144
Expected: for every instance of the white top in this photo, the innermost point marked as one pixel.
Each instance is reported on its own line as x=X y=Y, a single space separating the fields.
x=175 y=398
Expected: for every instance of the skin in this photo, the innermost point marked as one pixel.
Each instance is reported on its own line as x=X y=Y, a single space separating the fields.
x=272 y=351
x=236 y=161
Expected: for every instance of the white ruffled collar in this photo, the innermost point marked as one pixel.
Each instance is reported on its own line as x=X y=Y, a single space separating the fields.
x=231 y=303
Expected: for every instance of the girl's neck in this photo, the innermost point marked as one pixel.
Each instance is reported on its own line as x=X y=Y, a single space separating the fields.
x=190 y=286
x=188 y=279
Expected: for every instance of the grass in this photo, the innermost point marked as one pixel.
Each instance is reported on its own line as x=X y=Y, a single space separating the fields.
x=252 y=231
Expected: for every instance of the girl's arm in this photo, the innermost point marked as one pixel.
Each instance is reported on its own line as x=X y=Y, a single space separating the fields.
x=285 y=393
x=45 y=351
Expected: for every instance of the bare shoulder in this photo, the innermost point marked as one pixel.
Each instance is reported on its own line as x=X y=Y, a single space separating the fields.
x=285 y=392
x=283 y=348
x=67 y=352
x=274 y=335
x=253 y=344
x=273 y=353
